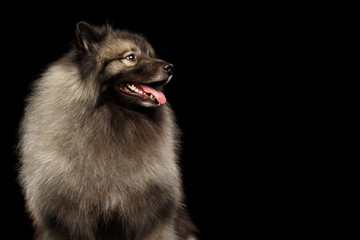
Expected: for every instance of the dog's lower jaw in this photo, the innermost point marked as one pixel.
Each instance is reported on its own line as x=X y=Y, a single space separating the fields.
x=139 y=95
x=134 y=103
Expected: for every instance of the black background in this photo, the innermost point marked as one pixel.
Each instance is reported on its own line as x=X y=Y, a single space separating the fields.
x=222 y=92
x=250 y=93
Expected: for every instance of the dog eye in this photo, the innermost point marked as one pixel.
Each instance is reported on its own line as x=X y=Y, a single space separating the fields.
x=131 y=57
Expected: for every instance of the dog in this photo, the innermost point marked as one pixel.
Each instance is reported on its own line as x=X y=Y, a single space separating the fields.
x=98 y=144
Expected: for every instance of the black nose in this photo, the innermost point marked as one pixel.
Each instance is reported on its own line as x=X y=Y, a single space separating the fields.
x=168 y=68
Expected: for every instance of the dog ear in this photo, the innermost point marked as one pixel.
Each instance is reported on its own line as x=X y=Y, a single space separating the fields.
x=85 y=36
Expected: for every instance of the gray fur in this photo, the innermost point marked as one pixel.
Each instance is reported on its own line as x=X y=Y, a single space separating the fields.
x=92 y=168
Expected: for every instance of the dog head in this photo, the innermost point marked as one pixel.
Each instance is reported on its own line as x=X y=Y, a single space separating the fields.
x=124 y=64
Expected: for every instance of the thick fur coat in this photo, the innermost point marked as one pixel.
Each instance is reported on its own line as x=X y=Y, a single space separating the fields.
x=97 y=162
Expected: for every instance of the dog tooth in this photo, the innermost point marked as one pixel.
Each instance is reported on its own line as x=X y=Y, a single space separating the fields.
x=136 y=90
x=140 y=92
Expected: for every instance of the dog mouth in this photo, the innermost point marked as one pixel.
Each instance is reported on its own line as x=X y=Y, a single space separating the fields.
x=144 y=92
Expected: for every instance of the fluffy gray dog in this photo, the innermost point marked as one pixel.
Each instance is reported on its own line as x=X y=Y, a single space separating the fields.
x=98 y=144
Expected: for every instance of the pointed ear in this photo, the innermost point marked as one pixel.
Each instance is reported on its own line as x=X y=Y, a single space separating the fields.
x=85 y=36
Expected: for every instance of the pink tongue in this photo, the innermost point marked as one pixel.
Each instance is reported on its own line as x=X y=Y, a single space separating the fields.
x=158 y=95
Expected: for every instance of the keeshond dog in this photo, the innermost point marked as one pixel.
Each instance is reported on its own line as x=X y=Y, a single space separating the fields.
x=99 y=145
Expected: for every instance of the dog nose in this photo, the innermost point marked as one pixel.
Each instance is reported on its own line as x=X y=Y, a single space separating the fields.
x=168 y=68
